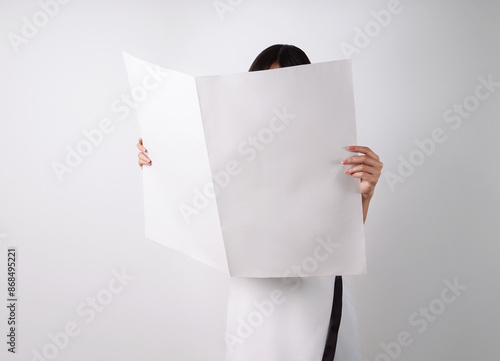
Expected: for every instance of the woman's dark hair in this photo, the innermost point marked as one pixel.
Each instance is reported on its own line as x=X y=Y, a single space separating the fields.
x=284 y=55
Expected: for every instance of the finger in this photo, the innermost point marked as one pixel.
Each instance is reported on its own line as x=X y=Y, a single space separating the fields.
x=363 y=159
x=144 y=158
x=370 y=178
x=140 y=146
x=141 y=163
x=364 y=150
x=362 y=168
x=366 y=177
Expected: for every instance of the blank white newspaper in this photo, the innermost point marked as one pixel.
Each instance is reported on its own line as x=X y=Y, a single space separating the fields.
x=246 y=171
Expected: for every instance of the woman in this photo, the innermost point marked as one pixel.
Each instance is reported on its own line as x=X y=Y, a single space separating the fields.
x=339 y=340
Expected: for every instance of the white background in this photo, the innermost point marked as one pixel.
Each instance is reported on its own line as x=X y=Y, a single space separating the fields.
x=439 y=224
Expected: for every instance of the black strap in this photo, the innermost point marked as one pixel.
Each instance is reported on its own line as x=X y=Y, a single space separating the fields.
x=333 y=328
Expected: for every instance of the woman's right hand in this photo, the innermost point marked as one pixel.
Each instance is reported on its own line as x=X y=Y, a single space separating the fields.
x=143 y=158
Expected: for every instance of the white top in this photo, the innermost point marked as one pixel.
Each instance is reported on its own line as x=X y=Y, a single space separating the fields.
x=275 y=319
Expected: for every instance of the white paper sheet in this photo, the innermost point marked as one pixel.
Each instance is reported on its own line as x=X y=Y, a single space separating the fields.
x=270 y=144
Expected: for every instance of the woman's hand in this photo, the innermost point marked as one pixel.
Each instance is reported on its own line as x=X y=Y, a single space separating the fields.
x=143 y=158
x=368 y=168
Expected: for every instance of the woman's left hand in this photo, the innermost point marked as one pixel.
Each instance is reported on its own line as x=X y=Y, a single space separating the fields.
x=367 y=167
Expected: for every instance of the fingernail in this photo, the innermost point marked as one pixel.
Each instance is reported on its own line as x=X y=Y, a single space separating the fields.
x=351 y=147
x=344 y=161
x=346 y=171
